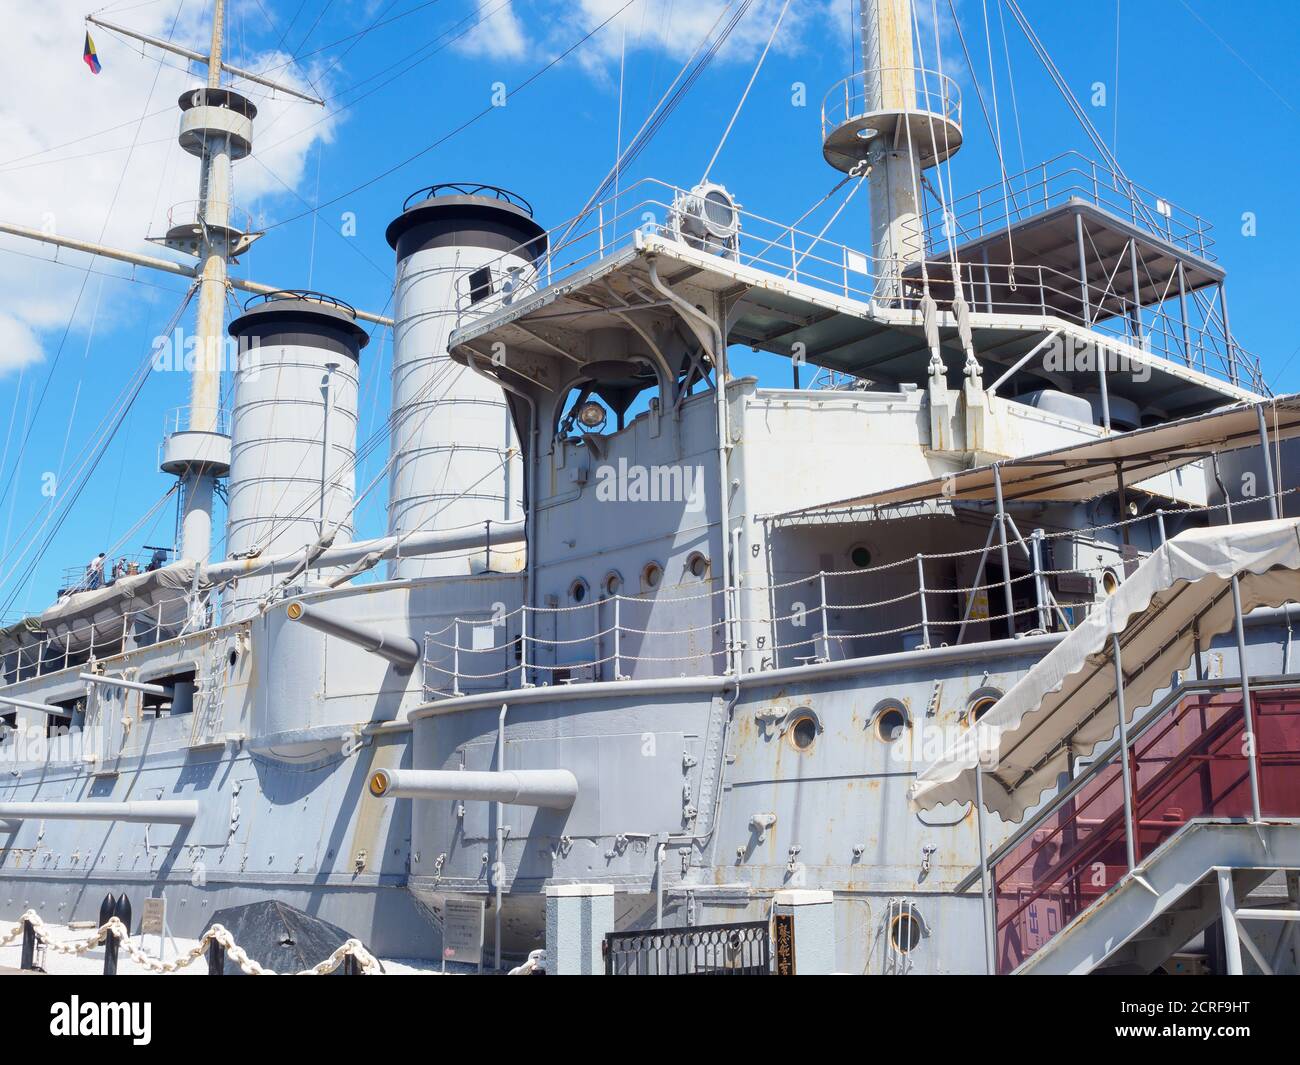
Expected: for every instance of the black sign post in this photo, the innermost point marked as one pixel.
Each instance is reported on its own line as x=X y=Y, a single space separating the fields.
x=783 y=943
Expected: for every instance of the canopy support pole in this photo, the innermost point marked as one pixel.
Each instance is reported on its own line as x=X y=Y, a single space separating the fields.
x=990 y=953
x=1002 y=547
x=1273 y=508
x=1130 y=834
x=1247 y=711
x=1034 y=559
x=975 y=585
x=1123 y=504
x=925 y=615
x=1040 y=583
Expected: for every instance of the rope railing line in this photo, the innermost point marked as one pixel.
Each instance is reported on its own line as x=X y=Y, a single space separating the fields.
x=367 y=962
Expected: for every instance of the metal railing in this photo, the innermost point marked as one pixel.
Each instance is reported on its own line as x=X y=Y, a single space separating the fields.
x=1188 y=759
x=1033 y=288
x=892 y=90
x=653 y=208
x=94 y=639
x=84 y=578
x=907 y=603
x=1068 y=176
x=180 y=420
x=742 y=949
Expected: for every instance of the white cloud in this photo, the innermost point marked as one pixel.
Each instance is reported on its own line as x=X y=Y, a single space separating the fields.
x=80 y=161
x=19 y=346
x=676 y=27
x=671 y=27
x=500 y=34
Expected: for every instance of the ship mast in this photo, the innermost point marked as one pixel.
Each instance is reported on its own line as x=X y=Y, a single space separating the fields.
x=199 y=477
x=889 y=87
x=888 y=122
x=216 y=126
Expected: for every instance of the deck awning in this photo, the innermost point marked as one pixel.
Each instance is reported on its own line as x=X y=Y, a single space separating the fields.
x=1066 y=703
x=1085 y=471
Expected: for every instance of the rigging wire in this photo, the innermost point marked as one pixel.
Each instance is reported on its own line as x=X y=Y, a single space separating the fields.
x=1114 y=92
x=681 y=84
x=83 y=475
x=745 y=95
x=473 y=23
x=538 y=73
x=54 y=363
x=997 y=125
x=1011 y=83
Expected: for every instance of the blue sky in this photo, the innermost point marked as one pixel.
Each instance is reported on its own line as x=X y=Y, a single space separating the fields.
x=1205 y=111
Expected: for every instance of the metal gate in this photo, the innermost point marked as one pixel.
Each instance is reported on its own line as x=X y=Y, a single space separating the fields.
x=701 y=950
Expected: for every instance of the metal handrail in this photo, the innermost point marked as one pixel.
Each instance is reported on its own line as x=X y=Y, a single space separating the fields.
x=646 y=207
x=1106 y=758
x=1078 y=852
x=926 y=86
x=1055 y=181
x=179 y=419
x=307 y=294
x=469 y=188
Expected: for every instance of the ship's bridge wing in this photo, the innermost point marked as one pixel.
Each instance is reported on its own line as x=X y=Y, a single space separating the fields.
x=1066 y=704
x=818 y=305
x=1082 y=471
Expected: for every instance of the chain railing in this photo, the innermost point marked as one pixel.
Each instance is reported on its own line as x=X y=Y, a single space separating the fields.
x=216 y=945
x=909 y=603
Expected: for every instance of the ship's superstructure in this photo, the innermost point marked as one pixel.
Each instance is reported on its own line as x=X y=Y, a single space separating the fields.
x=646 y=624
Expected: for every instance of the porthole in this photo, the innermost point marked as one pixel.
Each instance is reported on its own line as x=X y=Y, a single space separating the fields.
x=651 y=576
x=980 y=703
x=613 y=583
x=578 y=590
x=905 y=933
x=1110 y=582
x=697 y=565
x=802 y=730
x=890 y=720
x=860 y=556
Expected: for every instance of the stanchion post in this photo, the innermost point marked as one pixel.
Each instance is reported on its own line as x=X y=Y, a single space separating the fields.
x=29 y=947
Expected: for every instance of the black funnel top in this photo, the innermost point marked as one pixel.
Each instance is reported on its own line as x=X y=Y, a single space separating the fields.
x=302 y=317
x=466 y=215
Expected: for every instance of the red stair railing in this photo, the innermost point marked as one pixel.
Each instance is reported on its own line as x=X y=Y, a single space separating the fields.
x=1188 y=761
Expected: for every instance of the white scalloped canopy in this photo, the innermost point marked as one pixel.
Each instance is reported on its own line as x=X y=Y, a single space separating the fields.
x=1067 y=701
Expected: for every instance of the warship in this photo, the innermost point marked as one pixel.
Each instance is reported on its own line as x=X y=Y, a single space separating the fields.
x=978 y=634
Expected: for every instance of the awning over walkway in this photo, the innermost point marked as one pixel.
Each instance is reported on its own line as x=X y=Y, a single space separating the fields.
x=1087 y=470
x=1066 y=703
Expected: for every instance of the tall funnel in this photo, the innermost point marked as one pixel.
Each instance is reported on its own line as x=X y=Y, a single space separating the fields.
x=293 y=429
x=452 y=435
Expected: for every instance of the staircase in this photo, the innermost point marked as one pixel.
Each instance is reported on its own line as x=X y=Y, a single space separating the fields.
x=1065 y=899
x=1174 y=896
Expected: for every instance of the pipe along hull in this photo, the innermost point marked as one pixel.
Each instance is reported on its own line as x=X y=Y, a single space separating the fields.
x=553 y=789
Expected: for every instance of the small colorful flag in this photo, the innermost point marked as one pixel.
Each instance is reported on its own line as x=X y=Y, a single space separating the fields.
x=90 y=57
